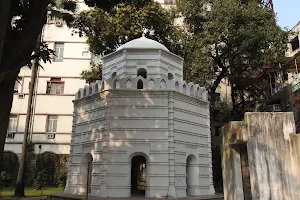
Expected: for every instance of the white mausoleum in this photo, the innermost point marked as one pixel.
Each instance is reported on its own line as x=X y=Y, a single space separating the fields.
x=142 y=129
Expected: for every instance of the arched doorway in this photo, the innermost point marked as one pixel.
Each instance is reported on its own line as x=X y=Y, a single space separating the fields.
x=87 y=171
x=191 y=175
x=138 y=175
x=140 y=85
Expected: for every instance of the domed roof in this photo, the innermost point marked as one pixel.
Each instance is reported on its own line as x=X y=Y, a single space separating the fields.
x=142 y=43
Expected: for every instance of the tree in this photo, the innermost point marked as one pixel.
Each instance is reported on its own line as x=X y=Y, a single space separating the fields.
x=106 y=31
x=18 y=41
x=93 y=74
x=231 y=40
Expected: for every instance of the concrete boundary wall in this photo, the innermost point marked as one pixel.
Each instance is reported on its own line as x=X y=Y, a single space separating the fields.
x=260 y=158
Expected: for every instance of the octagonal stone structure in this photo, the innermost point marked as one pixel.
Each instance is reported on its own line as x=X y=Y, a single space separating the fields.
x=141 y=132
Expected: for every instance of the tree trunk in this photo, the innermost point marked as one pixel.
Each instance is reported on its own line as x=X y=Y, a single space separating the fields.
x=4 y=18
x=6 y=99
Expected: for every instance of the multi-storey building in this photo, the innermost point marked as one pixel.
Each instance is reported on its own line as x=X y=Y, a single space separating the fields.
x=56 y=85
x=57 y=82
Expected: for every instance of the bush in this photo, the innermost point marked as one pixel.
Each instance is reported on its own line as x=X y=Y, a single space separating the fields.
x=9 y=169
x=43 y=170
x=41 y=180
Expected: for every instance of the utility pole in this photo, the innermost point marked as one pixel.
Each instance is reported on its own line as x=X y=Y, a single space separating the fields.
x=19 y=191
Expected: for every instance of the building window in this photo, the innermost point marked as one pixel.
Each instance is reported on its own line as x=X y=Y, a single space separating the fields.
x=12 y=124
x=55 y=86
x=218 y=97
x=169 y=1
x=59 y=52
x=140 y=84
x=16 y=87
x=114 y=75
x=52 y=123
x=170 y=76
x=142 y=72
x=295 y=43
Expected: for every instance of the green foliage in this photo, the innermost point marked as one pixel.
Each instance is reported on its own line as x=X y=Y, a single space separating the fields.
x=44 y=170
x=230 y=40
x=106 y=31
x=93 y=74
x=9 y=169
x=41 y=180
x=51 y=170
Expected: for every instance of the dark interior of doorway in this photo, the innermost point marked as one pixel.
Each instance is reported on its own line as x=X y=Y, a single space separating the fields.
x=138 y=176
x=245 y=172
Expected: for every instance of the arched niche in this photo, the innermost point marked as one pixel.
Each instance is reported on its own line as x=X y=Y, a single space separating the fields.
x=151 y=84
x=86 y=172
x=128 y=84
x=191 y=175
x=163 y=84
x=116 y=84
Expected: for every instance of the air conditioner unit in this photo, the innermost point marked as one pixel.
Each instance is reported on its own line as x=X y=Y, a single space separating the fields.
x=276 y=107
x=50 y=136
x=58 y=23
x=21 y=96
x=50 y=20
x=10 y=135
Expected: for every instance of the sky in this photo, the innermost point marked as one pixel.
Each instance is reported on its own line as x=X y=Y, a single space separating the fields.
x=288 y=12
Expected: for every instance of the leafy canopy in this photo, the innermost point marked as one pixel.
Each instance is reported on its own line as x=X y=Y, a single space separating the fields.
x=229 y=39
x=106 y=31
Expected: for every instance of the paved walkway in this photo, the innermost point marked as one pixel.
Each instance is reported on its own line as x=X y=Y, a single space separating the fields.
x=80 y=197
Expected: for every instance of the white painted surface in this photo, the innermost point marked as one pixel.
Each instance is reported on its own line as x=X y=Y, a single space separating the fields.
x=163 y=125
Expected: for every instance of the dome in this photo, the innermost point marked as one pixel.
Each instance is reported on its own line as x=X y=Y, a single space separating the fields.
x=143 y=43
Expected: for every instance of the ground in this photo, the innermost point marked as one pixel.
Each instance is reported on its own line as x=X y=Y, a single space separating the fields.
x=8 y=193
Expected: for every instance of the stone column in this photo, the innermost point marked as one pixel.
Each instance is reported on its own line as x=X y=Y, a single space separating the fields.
x=71 y=153
x=105 y=148
x=171 y=191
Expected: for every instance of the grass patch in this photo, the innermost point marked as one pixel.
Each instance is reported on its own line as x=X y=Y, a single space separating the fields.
x=30 y=192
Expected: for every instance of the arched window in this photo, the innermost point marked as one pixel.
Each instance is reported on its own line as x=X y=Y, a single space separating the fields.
x=198 y=93
x=96 y=88
x=151 y=84
x=170 y=76
x=84 y=92
x=90 y=90
x=184 y=88
x=79 y=94
x=177 y=86
x=192 y=90
x=142 y=72
x=163 y=84
x=114 y=75
x=140 y=84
